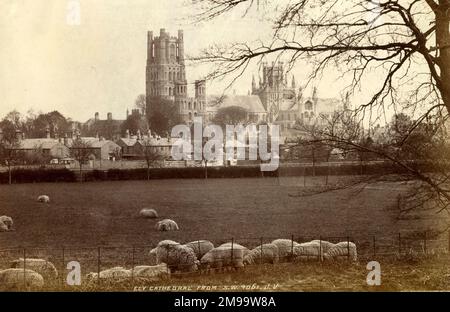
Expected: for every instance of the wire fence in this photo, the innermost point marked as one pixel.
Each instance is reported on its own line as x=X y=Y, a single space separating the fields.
x=95 y=260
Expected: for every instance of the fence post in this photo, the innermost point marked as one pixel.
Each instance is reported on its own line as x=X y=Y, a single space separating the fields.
x=425 y=242
x=374 y=247
x=292 y=246
x=232 y=253
x=24 y=268
x=261 y=260
x=63 y=268
x=98 y=265
x=132 y=266
x=448 y=241
x=320 y=248
x=348 y=248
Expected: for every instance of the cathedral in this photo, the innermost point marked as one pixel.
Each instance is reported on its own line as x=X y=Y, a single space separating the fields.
x=166 y=75
x=272 y=99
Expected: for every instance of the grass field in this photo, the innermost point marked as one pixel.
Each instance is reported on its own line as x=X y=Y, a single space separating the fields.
x=83 y=216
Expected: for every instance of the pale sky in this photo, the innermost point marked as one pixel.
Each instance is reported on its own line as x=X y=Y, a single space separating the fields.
x=99 y=65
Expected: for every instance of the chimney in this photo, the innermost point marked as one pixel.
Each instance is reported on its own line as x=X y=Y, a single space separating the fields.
x=1 y=134
x=127 y=134
x=47 y=132
x=109 y=116
x=66 y=140
x=96 y=116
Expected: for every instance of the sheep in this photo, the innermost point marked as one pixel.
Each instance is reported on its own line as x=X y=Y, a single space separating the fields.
x=223 y=257
x=285 y=247
x=18 y=278
x=266 y=253
x=116 y=274
x=308 y=251
x=151 y=272
x=342 y=250
x=148 y=213
x=324 y=245
x=177 y=257
x=153 y=253
x=236 y=246
x=167 y=225
x=43 y=199
x=200 y=247
x=6 y=224
x=41 y=266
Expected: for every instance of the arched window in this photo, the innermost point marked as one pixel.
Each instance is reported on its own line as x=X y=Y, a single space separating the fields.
x=173 y=51
x=308 y=105
x=190 y=116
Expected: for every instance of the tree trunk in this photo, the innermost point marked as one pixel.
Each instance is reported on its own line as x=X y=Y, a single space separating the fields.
x=81 y=173
x=9 y=174
x=443 y=44
x=206 y=169
x=313 y=162
x=148 y=173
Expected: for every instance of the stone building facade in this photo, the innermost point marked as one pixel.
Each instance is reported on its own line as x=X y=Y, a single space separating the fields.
x=166 y=75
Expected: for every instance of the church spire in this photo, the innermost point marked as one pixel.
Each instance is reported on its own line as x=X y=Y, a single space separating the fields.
x=253 y=83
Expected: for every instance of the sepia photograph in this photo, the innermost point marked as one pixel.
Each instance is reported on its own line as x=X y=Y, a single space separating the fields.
x=246 y=147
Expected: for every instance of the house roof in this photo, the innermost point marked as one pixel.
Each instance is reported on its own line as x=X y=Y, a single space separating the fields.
x=93 y=142
x=43 y=143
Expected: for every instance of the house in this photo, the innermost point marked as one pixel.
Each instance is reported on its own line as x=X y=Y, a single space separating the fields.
x=131 y=148
x=51 y=148
x=99 y=148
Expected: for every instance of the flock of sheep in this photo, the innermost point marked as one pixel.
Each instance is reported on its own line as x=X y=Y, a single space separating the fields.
x=173 y=257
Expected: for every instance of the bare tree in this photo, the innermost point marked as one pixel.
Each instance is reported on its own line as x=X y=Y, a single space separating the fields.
x=80 y=151
x=150 y=154
x=406 y=43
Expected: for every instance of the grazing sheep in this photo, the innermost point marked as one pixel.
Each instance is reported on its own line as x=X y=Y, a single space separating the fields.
x=200 y=247
x=177 y=257
x=342 y=250
x=153 y=253
x=43 y=199
x=324 y=245
x=18 y=278
x=151 y=272
x=285 y=247
x=41 y=266
x=307 y=251
x=116 y=274
x=148 y=213
x=245 y=250
x=167 y=225
x=6 y=224
x=266 y=253
x=222 y=257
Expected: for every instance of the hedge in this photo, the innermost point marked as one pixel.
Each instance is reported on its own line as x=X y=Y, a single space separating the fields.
x=38 y=175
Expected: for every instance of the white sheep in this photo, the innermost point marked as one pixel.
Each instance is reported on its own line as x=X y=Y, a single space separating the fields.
x=223 y=257
x=148 y=213
x=236 y=246
x=342 y=250
x=6 y=224
x=266 y=253
x=19 y=278
x=151 y=272
x=177 y=257
x=285 y=247
x=167 y=225
x=41 y=266
x=324 y=245
x=153 y=257
x=308 y=251
x=116 y=274
x=200 y=247
x=43 y=199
